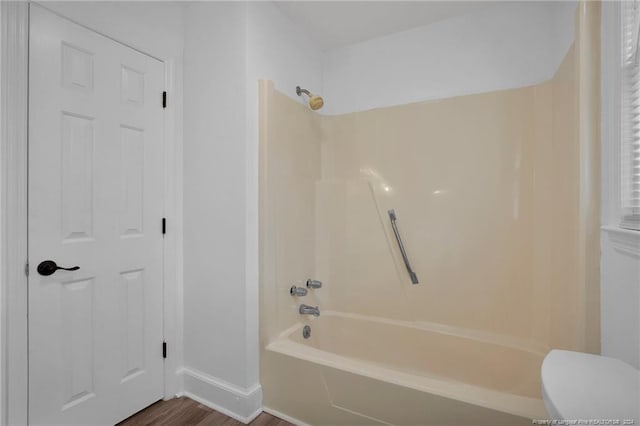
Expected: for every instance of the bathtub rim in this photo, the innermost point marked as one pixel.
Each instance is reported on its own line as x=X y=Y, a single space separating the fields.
x=517 y=405
x=511 y=342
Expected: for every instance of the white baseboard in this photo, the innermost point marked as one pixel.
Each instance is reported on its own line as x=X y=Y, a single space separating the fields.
x=283 y=416
x=241 y=404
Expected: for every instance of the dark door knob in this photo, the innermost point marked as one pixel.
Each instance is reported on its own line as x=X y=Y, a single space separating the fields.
x=48 y=267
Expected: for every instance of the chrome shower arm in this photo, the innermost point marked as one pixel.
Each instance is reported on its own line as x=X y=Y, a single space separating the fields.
x=300 y=91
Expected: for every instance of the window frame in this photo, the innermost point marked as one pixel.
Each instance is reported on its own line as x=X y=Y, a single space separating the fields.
x=628 y=63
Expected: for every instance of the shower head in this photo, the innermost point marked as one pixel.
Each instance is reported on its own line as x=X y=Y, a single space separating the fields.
x=315 y=102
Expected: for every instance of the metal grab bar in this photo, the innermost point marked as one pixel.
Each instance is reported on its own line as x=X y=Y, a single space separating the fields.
x=392 y=217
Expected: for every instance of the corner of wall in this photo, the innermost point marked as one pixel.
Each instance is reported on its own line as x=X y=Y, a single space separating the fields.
x=588 y=36
x=218 y=296
x=435 y=61
x=563 y=17
x=242 y=404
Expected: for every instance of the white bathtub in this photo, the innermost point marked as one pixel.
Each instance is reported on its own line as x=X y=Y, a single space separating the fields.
x=394 y=372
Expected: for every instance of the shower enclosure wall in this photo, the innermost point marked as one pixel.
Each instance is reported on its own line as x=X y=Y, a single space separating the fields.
x=496 y=201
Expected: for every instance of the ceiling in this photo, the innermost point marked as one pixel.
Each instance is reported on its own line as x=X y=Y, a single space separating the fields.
x=334 y=24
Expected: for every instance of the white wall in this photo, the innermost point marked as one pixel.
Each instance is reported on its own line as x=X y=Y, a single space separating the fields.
x=215 y=316
x=279 y=50
x=513 y=44
x=620 y=262
x=620 y=297
x=152 y=27
x=228 y=47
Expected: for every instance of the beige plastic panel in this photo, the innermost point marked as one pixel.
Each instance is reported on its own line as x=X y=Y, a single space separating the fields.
x=458 y=174
x=427 y=352
x=290 y=167
x=398 y=405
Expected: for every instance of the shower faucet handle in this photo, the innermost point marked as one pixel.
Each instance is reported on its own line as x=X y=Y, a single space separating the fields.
x=314 y=283
x=298 y=291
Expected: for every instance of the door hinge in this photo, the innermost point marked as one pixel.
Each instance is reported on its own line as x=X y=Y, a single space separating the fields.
x=164 y=99
x=164 y=225
x=26 y=269
x=164 y=349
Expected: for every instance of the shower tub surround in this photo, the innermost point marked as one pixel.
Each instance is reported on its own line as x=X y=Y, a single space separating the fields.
x=498 y=214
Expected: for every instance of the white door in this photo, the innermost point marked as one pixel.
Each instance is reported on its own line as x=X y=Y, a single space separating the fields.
x=95 y=201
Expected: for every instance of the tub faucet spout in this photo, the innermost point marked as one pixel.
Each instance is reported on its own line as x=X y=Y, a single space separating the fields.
x=309 y=310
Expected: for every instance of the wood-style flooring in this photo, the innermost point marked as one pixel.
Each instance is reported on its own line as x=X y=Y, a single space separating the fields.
x=187 y=412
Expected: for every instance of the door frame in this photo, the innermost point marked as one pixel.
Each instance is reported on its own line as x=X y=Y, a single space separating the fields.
x=14 y=79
